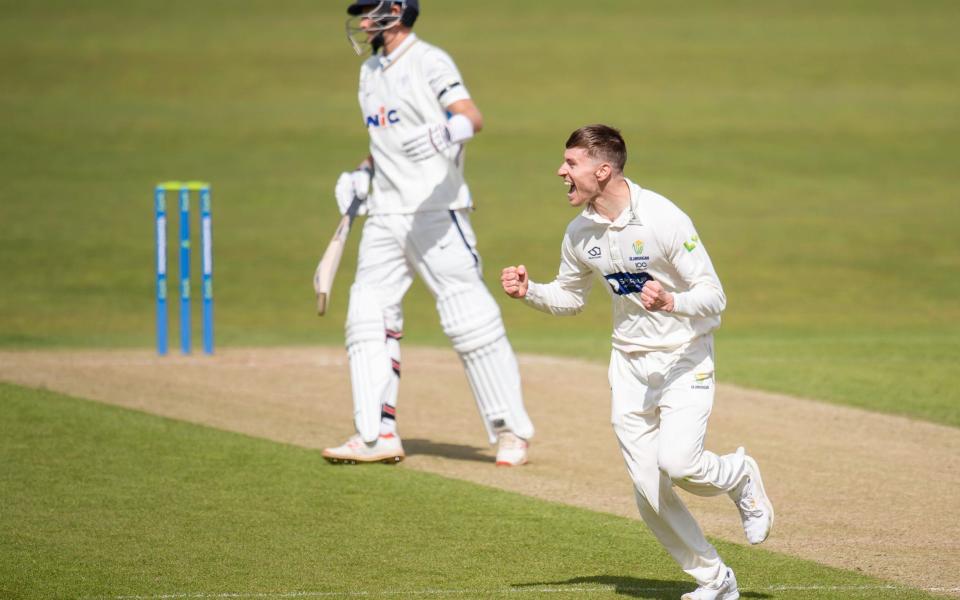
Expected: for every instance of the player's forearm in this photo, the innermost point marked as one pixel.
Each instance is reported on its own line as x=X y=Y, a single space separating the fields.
x=704 y=295
x=554 y=298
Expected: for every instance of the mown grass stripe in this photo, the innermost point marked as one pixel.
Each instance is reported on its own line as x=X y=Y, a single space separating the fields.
x=105 y=502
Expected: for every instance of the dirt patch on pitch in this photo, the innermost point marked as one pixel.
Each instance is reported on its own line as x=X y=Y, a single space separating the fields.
x=853 y=489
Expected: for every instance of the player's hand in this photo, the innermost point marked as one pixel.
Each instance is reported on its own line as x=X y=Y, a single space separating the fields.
x=654 y=297
x=433 y=138
x=361 y=182
x=515 y=281
x=427 y=141
x=352 y=184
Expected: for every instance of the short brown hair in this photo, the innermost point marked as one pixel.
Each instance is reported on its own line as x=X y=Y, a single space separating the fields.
x=601 y=141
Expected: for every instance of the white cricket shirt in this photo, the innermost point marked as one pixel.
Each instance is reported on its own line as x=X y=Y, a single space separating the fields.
x=410 y=87
x=652 y=238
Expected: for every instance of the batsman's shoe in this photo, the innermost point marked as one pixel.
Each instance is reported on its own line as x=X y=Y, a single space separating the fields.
x=756 y=510
x=727 y=590
x=511 y=450
x=386 y=449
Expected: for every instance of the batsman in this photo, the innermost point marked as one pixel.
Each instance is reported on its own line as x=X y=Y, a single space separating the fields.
x=419 y=116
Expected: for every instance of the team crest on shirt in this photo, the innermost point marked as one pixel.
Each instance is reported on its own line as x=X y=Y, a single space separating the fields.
x=640 y=262
x=383 y=117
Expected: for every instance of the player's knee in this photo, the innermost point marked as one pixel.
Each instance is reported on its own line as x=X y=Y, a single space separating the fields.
x=678 y=464
x=470 y=317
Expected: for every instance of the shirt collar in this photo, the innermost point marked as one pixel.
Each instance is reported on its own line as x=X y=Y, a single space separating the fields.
x=386 y=61
x=629 y=216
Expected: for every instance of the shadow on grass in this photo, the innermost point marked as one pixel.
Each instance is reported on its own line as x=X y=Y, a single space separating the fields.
x=454 y=451
x=633 y=587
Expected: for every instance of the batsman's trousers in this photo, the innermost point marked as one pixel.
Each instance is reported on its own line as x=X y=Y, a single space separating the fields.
x=440 y=247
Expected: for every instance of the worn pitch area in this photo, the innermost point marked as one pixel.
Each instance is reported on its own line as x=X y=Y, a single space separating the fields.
x=852 y=489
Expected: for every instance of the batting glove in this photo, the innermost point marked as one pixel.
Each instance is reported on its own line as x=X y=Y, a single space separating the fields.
x=352 y=184
x=431 y=139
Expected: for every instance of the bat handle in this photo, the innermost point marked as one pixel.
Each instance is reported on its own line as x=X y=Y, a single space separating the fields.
x=354 y=208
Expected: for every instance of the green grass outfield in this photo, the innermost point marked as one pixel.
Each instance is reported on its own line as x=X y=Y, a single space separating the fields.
x=103 y=502
x=814 y=144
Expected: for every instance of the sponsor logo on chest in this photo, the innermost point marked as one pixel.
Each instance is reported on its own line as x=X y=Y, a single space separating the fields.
x=384 y=117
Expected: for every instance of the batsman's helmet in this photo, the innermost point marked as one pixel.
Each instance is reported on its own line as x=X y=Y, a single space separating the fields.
x=381 y=14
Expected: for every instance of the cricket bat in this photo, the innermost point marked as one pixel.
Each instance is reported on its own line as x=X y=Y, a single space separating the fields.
x=327 y=269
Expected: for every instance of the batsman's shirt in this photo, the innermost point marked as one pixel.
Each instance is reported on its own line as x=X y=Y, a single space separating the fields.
x=650 y=239
x=399 y=93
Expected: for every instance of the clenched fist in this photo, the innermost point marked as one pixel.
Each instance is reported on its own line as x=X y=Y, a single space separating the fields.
x=514 y=281
x=654 y=297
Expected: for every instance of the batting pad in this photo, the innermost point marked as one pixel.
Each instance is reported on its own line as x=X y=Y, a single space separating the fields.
x=370 y=370
x=471 y=319
x=495 y=380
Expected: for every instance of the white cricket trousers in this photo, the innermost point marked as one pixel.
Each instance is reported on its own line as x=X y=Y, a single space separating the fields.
x=661 y=405
x=440 y=247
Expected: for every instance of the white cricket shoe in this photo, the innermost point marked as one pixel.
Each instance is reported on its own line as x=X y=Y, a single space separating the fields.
x=727 y=590
x=386 y=449
x=756 y=510
x=511 y=450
